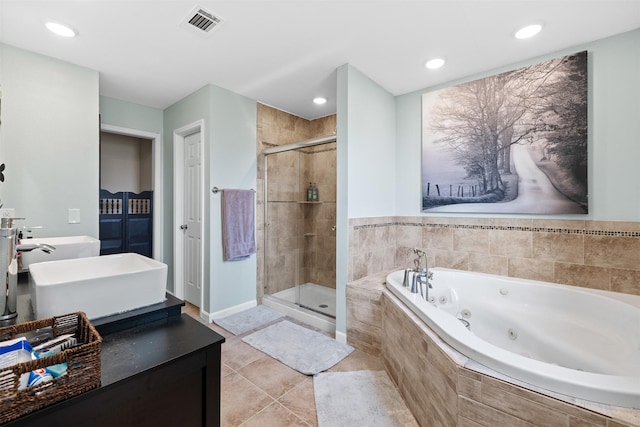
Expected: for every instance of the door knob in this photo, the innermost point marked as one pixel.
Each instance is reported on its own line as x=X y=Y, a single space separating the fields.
x=183 y=227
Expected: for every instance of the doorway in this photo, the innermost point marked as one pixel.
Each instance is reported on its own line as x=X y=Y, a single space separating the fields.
x=188 y=213
x=130 y=165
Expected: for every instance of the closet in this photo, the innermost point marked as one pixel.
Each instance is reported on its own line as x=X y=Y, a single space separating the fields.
x=126 y=199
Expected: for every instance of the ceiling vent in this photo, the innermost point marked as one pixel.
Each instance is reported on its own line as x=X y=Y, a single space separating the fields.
x=202 y=22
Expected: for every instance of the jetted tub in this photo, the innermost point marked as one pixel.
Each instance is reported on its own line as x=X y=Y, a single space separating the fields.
x=99 y=286
x=575 y=341
x=67 y=247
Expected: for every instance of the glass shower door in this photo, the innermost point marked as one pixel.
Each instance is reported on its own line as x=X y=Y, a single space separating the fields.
x=283 y=223
x=317 y=291
x=300 y=233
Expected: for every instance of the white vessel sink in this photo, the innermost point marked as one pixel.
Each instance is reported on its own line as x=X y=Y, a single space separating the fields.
x=67 y=247
x=99 y=286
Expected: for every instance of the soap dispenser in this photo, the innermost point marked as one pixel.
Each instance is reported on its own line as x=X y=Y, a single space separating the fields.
x=310 y=193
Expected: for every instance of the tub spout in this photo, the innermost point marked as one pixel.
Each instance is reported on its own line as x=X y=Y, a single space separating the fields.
x=28 y=247
x=422 y=278
x=415 y=283
x=407 y=273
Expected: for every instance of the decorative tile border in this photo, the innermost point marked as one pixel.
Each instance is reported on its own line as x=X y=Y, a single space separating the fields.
x=384 y=224
x=506 y=228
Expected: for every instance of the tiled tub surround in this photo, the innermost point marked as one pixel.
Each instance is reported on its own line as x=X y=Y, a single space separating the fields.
x=444 y=388
x=594 y=254
x=290 y=257
x=441 y=386
x=576 y=342
x=364 y=313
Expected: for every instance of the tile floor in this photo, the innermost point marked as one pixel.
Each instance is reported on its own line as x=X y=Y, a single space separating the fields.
x=259 y=391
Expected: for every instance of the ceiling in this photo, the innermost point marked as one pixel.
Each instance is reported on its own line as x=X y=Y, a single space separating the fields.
x=285 y=53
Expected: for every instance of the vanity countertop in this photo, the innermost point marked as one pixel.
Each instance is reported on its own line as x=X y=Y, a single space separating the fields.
x=158 y=367
x=131 y=351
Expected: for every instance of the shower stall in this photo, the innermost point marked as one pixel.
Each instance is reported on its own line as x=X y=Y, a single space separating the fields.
x=300 y=231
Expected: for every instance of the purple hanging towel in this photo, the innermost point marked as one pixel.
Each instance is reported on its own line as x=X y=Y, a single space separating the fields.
x=238 y=224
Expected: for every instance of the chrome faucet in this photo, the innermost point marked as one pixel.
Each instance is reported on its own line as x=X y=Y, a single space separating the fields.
x=410 y=272
x=422 y=278
x=28 y=247
x=421 y=275
x=9 y=249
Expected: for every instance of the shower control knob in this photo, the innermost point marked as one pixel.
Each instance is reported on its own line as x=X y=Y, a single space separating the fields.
x=183 y=227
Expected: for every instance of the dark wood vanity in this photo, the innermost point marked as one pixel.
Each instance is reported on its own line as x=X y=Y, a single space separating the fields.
x=159 y=368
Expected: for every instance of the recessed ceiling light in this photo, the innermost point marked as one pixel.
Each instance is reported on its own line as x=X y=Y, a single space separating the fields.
x=528 y=31
x=434 y=63
x=60 y=29
x=319 y=100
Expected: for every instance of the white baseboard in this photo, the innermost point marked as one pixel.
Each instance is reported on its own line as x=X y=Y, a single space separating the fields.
x=232 y=310
x=341 y=337
x=205 y=317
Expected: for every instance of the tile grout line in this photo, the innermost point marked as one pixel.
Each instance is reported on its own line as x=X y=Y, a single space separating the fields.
x=274 y=399
x=315 y=409
x=260 y=388
x=299 y=384
x=263 y=409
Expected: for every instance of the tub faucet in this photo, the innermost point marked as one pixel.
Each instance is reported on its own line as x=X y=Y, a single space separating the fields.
x=421 y=275
x=410 y=272
x=407 y=273
x=418 y=272
x=420 y=278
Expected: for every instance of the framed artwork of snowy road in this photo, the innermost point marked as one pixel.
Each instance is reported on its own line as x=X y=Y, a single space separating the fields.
x=515 y=142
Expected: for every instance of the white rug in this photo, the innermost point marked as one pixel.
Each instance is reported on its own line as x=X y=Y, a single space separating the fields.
x=299 y=348
x=247 y=320
x=359 y=398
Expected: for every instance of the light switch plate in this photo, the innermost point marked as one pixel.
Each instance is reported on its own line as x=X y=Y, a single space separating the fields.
x=74 y=216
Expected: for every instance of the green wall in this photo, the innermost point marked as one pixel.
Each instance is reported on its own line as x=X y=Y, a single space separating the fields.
x=184 y=112
x=233 y=164
x=49 y=142
x=614 y=129
x=131 y=116
x=366 y=163
x=229 y=144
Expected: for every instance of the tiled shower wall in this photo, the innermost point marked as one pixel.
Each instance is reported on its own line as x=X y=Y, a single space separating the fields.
x=594 y=254
x=290 y=259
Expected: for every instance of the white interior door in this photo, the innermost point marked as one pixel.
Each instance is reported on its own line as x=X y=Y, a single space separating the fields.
x=193 y=219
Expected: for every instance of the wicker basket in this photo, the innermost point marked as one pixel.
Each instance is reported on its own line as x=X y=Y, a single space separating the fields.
x=83 y=366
